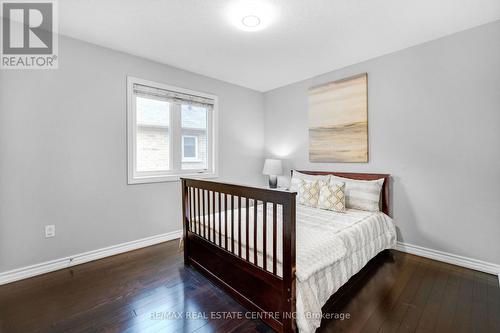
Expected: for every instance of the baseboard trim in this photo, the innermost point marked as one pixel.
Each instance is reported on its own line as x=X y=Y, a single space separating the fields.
x=77 y=259
x=81 y=258
x=449 y=258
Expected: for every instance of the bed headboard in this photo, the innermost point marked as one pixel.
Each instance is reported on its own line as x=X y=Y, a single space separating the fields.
x=384 y=194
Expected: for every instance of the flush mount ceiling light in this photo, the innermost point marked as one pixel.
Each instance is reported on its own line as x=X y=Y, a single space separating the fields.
x=251 y=15
x=251 y=21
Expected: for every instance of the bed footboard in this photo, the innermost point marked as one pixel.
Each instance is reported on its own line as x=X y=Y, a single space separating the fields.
x=243 y=239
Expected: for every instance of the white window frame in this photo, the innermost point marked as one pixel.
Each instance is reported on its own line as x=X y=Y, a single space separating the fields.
x=175 y=148
x=196 y=158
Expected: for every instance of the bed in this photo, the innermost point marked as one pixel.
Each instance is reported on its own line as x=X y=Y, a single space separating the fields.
x=279 y=259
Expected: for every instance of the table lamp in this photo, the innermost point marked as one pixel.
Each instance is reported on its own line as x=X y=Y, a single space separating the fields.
x=273 y=168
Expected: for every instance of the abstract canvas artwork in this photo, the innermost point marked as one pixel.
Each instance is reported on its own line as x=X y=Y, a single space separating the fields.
x=338 y=121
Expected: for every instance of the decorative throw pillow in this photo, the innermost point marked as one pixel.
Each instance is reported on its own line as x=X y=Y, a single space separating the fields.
x=361 y=194
x=331 y=196
x=297 y=176
x=308 y=192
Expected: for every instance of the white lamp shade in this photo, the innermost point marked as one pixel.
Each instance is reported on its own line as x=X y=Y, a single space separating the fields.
x=272 y=167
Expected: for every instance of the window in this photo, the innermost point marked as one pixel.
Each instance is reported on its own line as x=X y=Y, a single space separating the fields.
x=171 y=132
x=190 y=148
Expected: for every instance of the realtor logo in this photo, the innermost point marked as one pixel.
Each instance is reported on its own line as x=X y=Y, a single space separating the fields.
x=29 y=34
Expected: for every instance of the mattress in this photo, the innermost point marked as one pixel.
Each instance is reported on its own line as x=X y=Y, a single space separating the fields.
x=331 y=247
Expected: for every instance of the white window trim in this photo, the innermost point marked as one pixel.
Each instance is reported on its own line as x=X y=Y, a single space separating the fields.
x=196 y=158
x=163 y=176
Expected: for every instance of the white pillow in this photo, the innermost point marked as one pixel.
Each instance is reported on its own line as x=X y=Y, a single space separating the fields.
x=297 y=176
x=361 y=194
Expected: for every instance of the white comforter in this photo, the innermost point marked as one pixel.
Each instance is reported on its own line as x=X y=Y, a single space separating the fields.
x=331 y=247
x=363 y=234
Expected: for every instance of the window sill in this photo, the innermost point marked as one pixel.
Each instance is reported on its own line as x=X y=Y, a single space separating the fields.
x=170 y=178
x=192 y=161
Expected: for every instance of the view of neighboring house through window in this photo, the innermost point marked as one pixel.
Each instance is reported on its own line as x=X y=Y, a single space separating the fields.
x=194 y=137
x=171 y=132
x=189 y=148
x=153 y=117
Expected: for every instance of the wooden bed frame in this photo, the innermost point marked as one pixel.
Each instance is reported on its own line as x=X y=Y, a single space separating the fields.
x=259 y=289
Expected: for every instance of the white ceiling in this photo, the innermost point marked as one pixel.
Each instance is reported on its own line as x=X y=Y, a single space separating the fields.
x=306 y=38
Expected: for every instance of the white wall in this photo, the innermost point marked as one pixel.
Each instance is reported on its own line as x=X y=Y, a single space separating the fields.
x=63 y=154
x=434 y=124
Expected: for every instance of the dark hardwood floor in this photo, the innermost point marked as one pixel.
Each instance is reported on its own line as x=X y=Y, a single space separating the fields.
x=139 y=290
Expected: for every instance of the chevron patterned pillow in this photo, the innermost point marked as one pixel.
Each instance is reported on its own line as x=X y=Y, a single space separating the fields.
x=331 y=196
x=308 y=192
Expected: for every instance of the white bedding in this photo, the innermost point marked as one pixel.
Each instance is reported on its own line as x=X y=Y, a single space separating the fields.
x=331 y=247
x=364 y=235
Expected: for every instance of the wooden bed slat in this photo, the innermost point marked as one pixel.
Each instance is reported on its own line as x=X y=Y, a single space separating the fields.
x=208 y=216
x=192 y=203
x=255 y=256
x=187 y=192
x=225 y=222
x=288 y=262
x=213 y=217
x=198 y=209
x=239 y=226
x=264 y=238
x=232 y=223
x=275 y=237
x=247 y=226
x=220 y=221
x=203 y=213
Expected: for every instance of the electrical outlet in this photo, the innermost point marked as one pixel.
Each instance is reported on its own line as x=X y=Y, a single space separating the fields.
x=50 y=231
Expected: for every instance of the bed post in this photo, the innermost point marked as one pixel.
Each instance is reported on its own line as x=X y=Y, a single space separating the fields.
x=185 y=221
x=289 y=265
